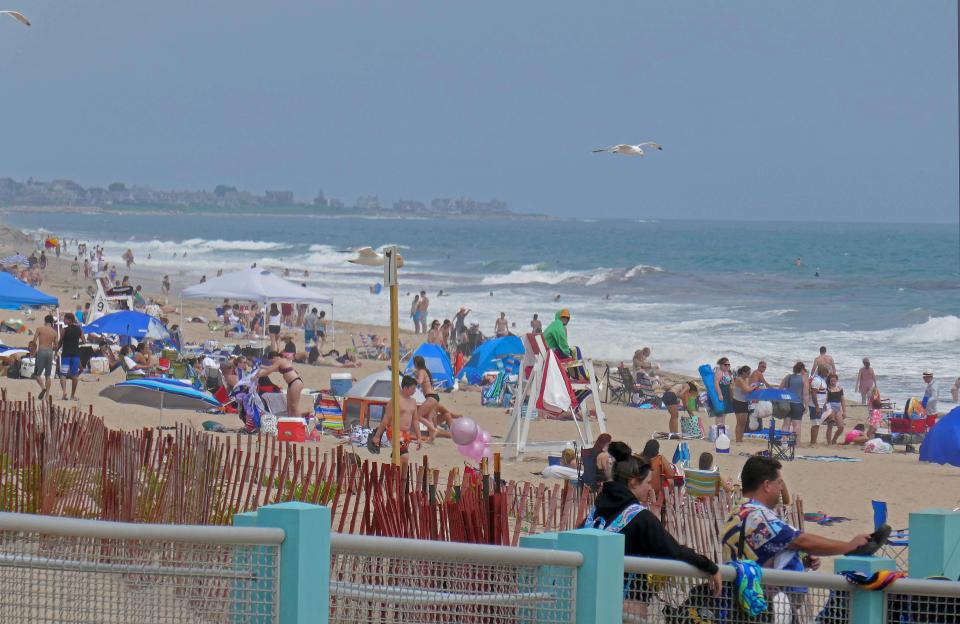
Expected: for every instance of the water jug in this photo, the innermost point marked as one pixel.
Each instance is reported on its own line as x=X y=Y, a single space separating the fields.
x=723 y=442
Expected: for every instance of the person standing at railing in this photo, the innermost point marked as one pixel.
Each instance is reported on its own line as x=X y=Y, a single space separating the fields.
x=618 y=509
x=754 y=531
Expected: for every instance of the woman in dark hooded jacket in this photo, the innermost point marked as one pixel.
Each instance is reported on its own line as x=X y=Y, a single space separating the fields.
x=618 y=510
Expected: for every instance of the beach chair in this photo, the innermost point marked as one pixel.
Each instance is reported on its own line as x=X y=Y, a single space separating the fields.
x=635 y=392
x=614 y=389
x=364 y=349
x=588 y=475
x=781 y=445
x=700 y=483
x=276 y=403
x=898 y=545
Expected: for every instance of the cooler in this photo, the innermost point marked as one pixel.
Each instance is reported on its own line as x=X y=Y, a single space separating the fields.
x=340 y=383
x=291 y=429
x=99 y=365
x=27 y=367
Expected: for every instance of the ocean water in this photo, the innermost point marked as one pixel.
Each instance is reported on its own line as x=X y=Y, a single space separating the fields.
x=692 y=291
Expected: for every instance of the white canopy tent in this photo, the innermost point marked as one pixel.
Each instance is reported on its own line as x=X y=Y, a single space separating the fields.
x=257 y=285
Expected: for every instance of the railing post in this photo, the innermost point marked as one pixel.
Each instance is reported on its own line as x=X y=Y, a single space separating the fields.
x=599 y=592
x=259 y=562
x=934 y=535
x=546 y=576
x=304 y=560
x=866 y=606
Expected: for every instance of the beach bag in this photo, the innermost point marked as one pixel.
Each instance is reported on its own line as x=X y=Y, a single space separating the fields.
x=878 y=446
x=268 y=423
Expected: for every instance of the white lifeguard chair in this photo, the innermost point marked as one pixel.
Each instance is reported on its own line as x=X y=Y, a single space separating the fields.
x=529 y=382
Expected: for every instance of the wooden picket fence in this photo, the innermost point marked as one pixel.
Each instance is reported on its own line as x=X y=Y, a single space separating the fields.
x=66 y=462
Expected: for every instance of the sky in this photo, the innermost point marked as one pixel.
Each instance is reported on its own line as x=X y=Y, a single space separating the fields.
x=818 y=110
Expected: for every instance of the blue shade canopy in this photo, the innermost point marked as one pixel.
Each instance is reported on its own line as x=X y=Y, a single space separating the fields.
x=941 y=445
x=17 y=259
x=437 y=363
x=485 y=356
x=160 y=393
x=772 y=394
x=14 y=294
x=129 y=323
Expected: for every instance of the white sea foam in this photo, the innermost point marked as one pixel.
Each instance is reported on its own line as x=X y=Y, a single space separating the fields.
x=641 y=269
x=938 y=329
x=522 y=276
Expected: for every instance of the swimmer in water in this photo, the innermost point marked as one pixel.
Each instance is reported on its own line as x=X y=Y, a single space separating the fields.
x=798 y=262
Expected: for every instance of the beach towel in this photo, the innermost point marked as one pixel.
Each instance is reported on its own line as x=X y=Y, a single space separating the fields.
x=823 y=519
x=829 y=458
x=874 y=582
x=749 y=590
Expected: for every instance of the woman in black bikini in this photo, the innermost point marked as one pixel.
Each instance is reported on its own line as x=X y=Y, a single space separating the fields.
x=284 y=366
x=428 y=411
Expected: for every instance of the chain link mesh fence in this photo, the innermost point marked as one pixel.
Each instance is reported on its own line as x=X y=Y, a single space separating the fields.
x=659 y=592
x=455 y=587
x=921 y=607
x=66 y=579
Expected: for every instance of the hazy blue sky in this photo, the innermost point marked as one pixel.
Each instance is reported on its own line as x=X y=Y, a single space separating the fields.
x=820 y=109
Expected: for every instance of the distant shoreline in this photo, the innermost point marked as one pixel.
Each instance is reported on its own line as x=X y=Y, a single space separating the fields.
x=290 y=211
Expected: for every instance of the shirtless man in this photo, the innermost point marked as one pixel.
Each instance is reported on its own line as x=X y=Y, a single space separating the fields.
x=408 y=425
x=43 y=343
x=825 y=360
x=423 y=307
x=501 y=327
x=757 y=380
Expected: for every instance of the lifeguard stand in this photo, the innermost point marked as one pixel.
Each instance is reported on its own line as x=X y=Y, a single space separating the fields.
x=529 y=382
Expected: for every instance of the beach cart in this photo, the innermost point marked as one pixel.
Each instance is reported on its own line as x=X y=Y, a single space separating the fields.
x=909 y=430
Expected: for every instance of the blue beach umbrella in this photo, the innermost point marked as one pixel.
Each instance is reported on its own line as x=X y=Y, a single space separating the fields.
x=17 y=259
x=129 y=323
x=941 y=445
x=160 y=394
x=772 y=394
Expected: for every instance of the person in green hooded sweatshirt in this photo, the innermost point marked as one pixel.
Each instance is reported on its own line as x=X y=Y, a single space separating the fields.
x=555 y=335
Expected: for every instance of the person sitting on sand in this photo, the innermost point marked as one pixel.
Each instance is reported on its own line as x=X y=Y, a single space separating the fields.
x=836 y=409
x=280 y=364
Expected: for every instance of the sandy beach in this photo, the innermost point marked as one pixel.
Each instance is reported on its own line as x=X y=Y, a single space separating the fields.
x=838 y=489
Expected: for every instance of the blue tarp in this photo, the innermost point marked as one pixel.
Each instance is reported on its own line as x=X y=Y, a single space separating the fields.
x=485 y=356
x=437 y=363
x=941 y=445
x=14 y=294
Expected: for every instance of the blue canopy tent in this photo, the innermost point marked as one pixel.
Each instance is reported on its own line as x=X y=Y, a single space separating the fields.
x=941 y=445
x=485 y=357
x=437 y=363
x=14 y=294
x=129 y=323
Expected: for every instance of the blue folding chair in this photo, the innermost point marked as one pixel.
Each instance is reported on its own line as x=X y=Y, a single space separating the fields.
x=898 y=546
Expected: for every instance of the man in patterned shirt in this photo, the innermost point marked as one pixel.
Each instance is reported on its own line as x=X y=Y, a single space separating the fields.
x=753 y=531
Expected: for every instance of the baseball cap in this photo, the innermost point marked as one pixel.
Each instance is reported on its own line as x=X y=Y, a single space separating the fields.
x=927 y=371
x=564 y=313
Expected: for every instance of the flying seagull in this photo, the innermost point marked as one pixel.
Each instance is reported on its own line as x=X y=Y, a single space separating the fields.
x=17 y=15
x=629 y=150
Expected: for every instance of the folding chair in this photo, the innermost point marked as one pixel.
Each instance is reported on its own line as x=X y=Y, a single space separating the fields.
x=616 y=392
x=700 y=483
x=588 y=476
x=781 y=445
x=898 y=545
x=276 y=403
x=631 y=387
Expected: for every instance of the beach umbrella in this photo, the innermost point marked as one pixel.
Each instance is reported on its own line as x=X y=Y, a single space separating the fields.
x=129 y=323
x=16 y=259
x=772 y=394
x=160 y=393
x=941 y=445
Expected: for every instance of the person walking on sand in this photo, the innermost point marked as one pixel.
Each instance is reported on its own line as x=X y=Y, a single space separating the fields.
x=824 y=360
x=460 y=324
x=423 y=308
x=274 y=324
x=165 y=286
x=415 y=313
x=866 y=381
x=502 y=327
x=69 y=348
x=43 y=344
x=738 y=396
x=836 y=409
x=818 y=400
x=722 y=381
x=931 y=394
x=409 y=429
